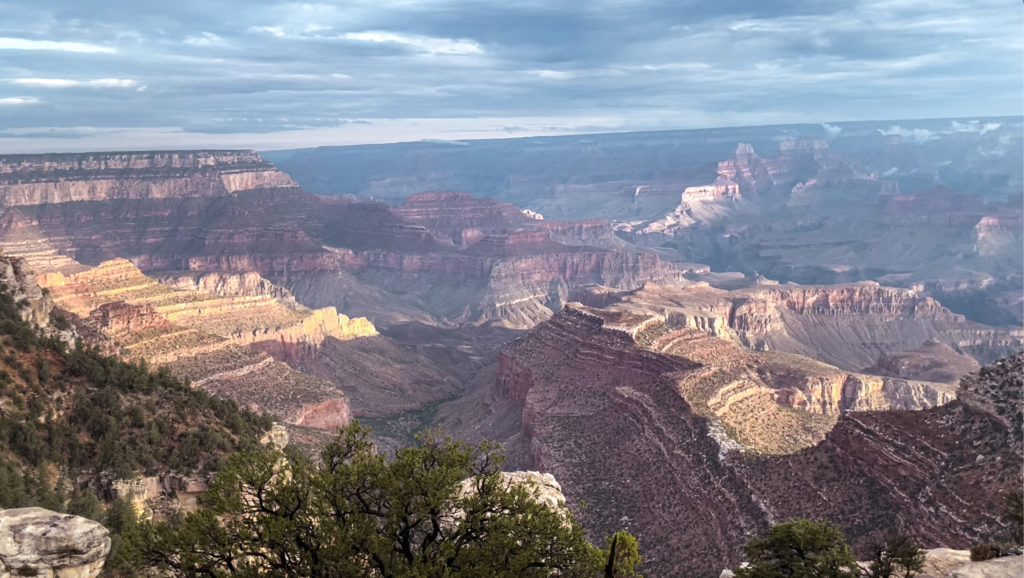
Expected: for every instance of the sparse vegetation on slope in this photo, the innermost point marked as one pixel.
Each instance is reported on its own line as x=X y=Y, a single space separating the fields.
x=68 y=417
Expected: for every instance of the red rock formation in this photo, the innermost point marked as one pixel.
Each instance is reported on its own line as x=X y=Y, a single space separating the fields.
x=460 y=218
x=515 y=275
x=119 y=317
x=610 y=421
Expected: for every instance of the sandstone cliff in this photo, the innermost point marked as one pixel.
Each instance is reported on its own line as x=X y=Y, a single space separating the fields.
x=224 y=284
x=219 y=342
x=61 y=178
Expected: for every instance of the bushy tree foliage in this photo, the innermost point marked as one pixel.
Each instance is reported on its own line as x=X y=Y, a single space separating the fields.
x=439 y=508
x=1015 y=515
x=621 y=556
x=896 y=557
x=800 y=549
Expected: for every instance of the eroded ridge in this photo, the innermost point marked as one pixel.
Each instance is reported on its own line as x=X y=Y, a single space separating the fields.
x=234 y=343
x=639 y=436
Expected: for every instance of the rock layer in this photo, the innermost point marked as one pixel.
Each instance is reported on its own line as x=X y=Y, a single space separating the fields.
x=62 y=178
x=220 y=343
x=590 y=396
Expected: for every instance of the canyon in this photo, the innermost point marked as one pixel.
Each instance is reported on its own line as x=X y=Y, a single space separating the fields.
x=694 y=454
x=804 y=203
x=697 y=341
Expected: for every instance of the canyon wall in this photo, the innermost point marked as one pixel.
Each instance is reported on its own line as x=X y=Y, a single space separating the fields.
x=693 y=496
x=219 y=342
x=471 y=260
x=62 y=178
x=848 y=325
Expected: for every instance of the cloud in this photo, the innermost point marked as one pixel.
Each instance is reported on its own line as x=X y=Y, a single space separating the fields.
x=918 y=135
x=206 y=39
x=831 y=130
x=426 y=44
x=7 y=43
x=271 y=30
x=922 y=135
x=553 y=74
x=69 y=83
x=16 y=100
x=974 y=126
x=287 y=66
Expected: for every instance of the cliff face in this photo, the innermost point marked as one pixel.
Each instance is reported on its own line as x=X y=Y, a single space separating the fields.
x=996 y=234
x=20 y=281
x=589 y=396
x=460 y=218
x=38 y=179
x=223 y=284
x=848 y=325
x=934 y=474
x=851 y=325
x=451 y=256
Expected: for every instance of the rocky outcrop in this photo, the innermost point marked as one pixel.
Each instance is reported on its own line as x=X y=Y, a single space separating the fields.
x=1005 y=567
x=723 y=188
x=123 y=301
x=20 y=281
x=947 y=563
x=38 y=542
x=226 y=284
x=62 y=178
x=543 y=487
x=159 y=497
x=995 y=234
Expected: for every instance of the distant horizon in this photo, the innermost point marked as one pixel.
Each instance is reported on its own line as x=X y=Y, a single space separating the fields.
x=321 y=138
x=79 y=75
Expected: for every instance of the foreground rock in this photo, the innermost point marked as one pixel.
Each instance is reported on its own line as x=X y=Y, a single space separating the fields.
x=946 y=563
x=45 y=544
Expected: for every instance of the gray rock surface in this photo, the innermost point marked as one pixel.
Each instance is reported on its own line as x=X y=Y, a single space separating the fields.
x=45 y=544
x=1005 y=567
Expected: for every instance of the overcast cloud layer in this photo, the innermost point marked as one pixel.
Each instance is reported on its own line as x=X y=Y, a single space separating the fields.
x=84 y=74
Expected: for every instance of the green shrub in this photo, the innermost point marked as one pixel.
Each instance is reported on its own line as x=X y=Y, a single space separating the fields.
x=989 y=551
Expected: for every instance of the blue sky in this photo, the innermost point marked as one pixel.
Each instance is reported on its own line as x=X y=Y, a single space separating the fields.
x=121 y=74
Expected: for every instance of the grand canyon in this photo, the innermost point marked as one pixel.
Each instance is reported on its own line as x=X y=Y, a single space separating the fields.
x=748 y=326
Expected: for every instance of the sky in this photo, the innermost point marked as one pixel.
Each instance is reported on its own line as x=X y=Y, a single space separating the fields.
x=130 y=74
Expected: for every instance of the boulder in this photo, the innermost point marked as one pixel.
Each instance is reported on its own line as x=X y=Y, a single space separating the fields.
x=1005 y=567
x=45 y=544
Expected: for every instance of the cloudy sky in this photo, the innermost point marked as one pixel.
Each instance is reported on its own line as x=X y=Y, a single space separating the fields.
x=120 y=74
